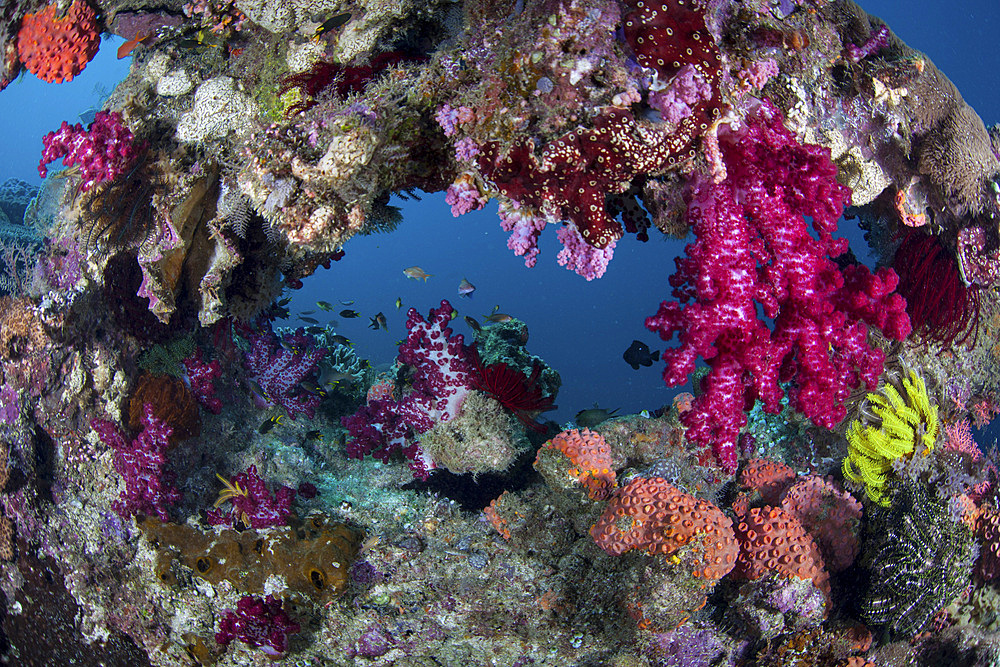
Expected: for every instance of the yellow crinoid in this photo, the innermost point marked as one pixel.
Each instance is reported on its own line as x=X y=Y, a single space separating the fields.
x=894 y=424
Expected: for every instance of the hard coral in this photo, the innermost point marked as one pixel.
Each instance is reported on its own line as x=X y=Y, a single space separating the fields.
x=55 y=47
x=987 y=528
x=771 y=540
x=768 y=477
x=586 y=458
x=832 y=516
x=655 y=517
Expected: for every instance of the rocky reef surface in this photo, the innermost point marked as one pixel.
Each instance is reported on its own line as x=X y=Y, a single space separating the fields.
x=182 y=483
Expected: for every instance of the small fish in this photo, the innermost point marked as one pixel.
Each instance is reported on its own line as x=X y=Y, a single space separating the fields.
x=333 y=378
x=311 y=387
x=126 y=48
x=473 y=324
x=496 y=308
x=465 y=288
x=593 y=416
x=308 y=312
x=399 y=302
x=416 y=273
x=269 y=423
x=340 y=340
x=496 y=318
x=324 y=305
x=331 y=23
x=347 y=303
x=314 y=435
x=378 y=322
x=308 y=320
x=453 y=315
x=201 y=38
x=398 y=342
x=285 y=301
x=87 y=117
x=638 y=354
x=350 y=314
x=315 y=330
x=644 y=414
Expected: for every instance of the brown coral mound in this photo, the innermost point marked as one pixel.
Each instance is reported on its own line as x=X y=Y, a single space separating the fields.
x=20 y=328
x=172 y=402
x=655 y=517
x=771 y=540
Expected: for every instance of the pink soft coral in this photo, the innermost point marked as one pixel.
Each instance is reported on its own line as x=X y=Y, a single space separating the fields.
x=754 y=249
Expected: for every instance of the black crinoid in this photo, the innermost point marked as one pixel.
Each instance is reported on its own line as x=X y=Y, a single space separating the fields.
x=118 y=214
x=919 y=560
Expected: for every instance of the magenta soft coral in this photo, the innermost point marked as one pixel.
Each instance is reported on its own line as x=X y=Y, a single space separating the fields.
x=441 y=380
x=149 y=487
x=754 y=248
x=259 y=623
x=252 y=504
x=104 y=151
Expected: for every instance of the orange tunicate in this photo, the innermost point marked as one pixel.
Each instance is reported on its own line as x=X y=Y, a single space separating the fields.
x=56 y=48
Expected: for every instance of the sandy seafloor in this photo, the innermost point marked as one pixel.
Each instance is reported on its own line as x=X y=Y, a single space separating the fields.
x=186 y=479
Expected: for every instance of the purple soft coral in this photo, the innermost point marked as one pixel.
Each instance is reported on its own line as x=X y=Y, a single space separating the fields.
x=252 y=504
x=260 y=623
x=440 y=385
x=278 y=370
x=149 y=488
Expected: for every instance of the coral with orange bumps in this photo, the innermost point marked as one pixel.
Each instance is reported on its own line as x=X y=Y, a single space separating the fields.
x=832 y=516
x=652 y=516
x=767 y=477
x=588 y=460
x=771 y=540
x=987 y=530
x=55 y=47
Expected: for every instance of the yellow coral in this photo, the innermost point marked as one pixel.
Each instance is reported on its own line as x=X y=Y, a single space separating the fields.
x=890 y=430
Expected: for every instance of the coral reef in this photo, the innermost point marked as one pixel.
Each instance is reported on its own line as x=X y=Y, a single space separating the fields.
x=425 y=512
